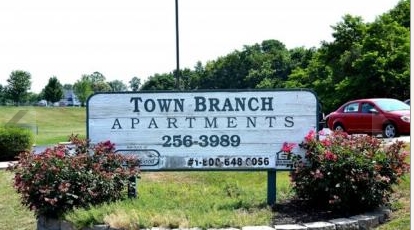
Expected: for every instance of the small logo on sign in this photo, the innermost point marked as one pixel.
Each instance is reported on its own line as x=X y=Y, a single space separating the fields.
x=146 y=157
x=283 y=159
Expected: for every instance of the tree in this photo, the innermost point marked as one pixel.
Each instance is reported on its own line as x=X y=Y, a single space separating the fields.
x=117 y=86
x=401 y=13
x=160 y=82
x=2 y=95
x=384 y=61
x=300 y=57
x=261 y=65
x=101 y=86
x=364 y=60
x=264 y=73
x=97 y=77
x=83 y=89
x=18 y=85
x=134 y=83
x=53 y=91
x=32 y=98
x=188 y=79
x=98 y=82
x=226 y=72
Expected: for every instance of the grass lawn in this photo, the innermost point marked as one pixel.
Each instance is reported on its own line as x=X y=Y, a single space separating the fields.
x=13 y=214
x=189 y=199
x=401 y=204
x=51 y=125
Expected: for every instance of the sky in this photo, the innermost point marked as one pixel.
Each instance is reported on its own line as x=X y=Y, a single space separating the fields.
x=128 y=38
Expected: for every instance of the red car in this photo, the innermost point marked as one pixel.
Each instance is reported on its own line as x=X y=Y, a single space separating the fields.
x=389 y=117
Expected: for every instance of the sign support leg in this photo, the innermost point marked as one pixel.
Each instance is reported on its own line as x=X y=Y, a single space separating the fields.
x=271 y=187
x=132 y=187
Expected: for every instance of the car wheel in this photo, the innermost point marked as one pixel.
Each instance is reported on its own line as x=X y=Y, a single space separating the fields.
x=389 y=131
x=339 y=127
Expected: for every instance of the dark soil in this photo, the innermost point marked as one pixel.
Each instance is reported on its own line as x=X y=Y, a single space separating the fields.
x=297 y=212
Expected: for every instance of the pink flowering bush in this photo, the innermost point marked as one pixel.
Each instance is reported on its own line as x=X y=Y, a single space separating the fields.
x=58 y=180
x=349 y=173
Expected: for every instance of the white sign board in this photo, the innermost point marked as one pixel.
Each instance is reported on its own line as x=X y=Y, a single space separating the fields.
x=193 y=130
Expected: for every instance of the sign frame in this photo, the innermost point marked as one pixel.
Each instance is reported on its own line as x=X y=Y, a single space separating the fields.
x=219 y=159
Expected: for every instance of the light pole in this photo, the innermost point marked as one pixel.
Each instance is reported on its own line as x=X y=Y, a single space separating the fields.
x=177 y=44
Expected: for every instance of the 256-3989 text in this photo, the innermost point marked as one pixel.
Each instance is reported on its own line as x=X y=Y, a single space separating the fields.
x=202 y=141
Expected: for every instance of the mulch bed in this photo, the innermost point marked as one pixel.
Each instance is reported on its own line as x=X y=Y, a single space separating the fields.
x=297 y=212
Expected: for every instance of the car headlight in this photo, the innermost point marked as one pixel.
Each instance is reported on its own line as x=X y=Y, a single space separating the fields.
x=405 y=118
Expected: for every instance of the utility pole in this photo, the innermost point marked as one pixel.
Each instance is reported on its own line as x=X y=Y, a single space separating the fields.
x=177 y=42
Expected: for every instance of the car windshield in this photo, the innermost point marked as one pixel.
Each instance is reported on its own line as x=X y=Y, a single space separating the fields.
x=391 y=105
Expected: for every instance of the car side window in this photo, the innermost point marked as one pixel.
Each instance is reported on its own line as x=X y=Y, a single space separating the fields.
x=351 y=108
x=366 y=107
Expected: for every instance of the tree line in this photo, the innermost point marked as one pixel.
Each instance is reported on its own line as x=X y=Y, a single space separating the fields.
x=363 y=60
x=16 y=92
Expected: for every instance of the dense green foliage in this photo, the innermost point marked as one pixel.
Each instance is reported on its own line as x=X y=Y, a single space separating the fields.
x=160 y=82
x=351 y=174
x=364 y=60
x=14 y=140
x=117 y=86
x=94 y=83
x=59 y=179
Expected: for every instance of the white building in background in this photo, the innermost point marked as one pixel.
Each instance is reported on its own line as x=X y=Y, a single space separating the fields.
x=69 y=99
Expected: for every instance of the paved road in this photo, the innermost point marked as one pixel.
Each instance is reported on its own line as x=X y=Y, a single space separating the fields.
x=402 y=138
x=39 y=149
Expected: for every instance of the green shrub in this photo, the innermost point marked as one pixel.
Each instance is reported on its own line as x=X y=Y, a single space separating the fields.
x=14 y=140
x=348 y=173
x=60 y=179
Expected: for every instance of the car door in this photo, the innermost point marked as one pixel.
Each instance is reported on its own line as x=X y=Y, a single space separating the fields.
x=350 y=117
x=370 y=118
x=366 y=116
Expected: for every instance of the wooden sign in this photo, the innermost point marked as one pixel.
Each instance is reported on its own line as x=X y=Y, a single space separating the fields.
x=204 y=130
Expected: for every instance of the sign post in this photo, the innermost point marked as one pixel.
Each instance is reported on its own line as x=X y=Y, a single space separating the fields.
x=205 y=130
x=271 y=187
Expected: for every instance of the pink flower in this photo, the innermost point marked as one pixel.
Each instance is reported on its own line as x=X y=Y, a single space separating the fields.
x=326 y=142
x=310 y=136
x=317 y=174
x=64 y=187
x=60 y=153
x=330 y=156
x=287 y=147
x=51 y=201
x=385 y=179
